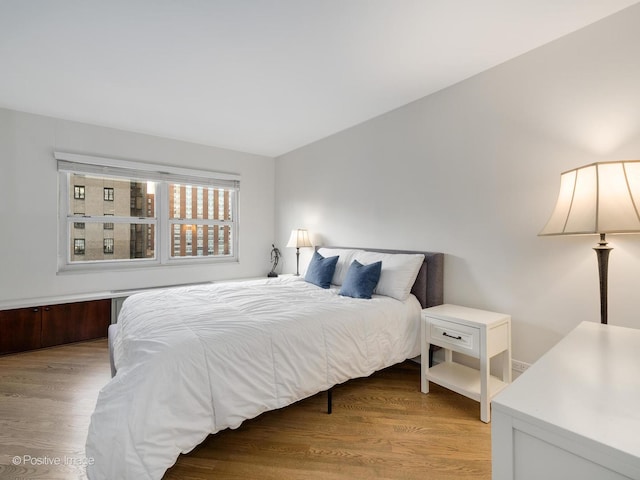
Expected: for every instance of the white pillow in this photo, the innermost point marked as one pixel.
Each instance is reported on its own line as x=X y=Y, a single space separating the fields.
x=399 y=271
x=345 y=257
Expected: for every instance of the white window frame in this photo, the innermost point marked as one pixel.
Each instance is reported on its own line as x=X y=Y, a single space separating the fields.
x=69 y=163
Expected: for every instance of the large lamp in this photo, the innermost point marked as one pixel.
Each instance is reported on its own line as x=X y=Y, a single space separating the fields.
x=599 y=198
x=299 y=238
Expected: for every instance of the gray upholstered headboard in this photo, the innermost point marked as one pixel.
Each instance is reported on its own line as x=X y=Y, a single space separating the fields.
x=429 y=285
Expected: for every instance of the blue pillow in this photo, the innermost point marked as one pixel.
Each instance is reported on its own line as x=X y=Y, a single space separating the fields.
x=320 y=270
x=361 y=280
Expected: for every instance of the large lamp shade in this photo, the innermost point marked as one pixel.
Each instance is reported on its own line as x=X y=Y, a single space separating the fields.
x=597 y=198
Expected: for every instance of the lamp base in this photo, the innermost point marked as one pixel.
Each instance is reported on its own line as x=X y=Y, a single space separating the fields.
x=602 y=252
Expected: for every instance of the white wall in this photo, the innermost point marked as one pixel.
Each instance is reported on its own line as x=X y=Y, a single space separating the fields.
x=473 y=171
x=29 y=217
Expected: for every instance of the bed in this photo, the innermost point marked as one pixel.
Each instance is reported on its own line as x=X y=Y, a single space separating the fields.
x=194 y=360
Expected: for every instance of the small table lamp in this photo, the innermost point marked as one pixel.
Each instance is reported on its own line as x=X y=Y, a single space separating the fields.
x=599 y=198
x=299 y=238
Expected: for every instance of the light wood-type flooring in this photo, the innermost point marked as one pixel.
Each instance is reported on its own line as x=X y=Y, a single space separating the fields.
x=381 y=427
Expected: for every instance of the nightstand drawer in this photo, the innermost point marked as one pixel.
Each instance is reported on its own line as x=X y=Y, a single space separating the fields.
x=456 y=337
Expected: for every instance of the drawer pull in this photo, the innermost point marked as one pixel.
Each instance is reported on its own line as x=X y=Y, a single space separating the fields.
x=451 y=336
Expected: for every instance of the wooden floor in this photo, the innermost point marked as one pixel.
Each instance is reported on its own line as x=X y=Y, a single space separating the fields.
x=381 y=427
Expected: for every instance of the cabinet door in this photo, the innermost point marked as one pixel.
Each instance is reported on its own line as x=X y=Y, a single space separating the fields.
x=19 y=330
x=73 y=322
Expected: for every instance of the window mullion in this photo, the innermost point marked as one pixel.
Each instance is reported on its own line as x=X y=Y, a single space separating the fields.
x=163 y=243
x=64 y=237
x=200 y=221
x=111 y=219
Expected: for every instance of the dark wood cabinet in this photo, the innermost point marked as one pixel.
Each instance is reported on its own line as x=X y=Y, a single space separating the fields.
x=20 y=329
x=45 y=326
x=74 y=322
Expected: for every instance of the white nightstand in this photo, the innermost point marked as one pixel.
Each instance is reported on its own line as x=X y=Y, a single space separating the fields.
x=476 y=333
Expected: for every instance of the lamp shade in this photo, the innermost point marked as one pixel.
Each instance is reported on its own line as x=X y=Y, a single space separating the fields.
x=598 y=198
x=299 y=238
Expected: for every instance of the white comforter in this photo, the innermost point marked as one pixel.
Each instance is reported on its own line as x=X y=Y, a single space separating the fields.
x=195 y=360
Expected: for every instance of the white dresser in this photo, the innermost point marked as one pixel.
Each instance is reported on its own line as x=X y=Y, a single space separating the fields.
x=575 y=413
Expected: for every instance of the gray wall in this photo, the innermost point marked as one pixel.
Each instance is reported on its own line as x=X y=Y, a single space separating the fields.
x=473 y=171
x=29 y=217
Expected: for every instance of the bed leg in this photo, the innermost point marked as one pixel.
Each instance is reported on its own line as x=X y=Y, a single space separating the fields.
x=111 y=334
x=329 y=401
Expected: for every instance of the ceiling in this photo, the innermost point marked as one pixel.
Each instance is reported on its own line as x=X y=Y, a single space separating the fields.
x=259 y=76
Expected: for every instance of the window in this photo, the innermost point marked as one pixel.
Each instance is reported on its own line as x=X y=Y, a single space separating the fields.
x=108 y=225
x=211 y=218
x=78 y=225
x=108 y=194
x=153 y=217
x=78 y=246
x=107 y=246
